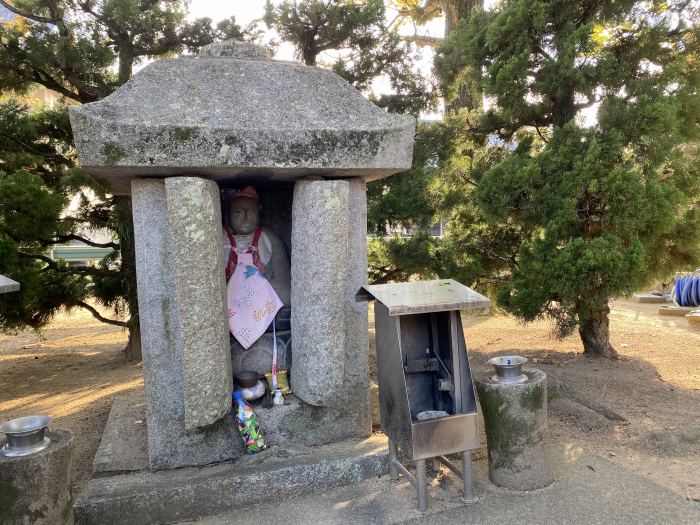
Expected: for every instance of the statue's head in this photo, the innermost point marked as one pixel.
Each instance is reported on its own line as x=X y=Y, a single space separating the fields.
x=243 y=207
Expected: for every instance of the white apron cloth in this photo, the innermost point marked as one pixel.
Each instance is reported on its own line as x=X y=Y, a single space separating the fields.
x=252 y=302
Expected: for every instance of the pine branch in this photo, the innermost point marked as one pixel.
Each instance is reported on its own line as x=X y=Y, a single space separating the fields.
x=30 y=16
x=46 y=80
x=99 y=316
x=424 y=40
x=72 y=237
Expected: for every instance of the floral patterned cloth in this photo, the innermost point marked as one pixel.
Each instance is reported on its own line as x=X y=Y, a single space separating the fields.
x=252 y=302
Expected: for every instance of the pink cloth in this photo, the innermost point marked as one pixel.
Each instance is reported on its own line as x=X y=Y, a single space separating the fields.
x=252 y=302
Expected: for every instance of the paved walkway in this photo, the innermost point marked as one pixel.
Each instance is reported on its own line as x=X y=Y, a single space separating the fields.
x=588 y=490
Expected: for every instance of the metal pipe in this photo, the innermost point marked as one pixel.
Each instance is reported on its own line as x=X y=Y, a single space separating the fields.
x=405 y=473
x=467 y=477
x=393 y=454
x=451 y=466
x=465 y=474
x=421 y=487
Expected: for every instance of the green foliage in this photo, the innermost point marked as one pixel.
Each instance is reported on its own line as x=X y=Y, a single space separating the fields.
x=596 y=211
x=83 y=51
x=363 y=47
x=366 y=46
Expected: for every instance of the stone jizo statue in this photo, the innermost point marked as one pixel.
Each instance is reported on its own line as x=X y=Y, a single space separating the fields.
x=242 y=214
x=257 y=267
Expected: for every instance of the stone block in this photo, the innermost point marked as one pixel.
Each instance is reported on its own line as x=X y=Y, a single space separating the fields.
x=194 y=218
x=36 y=489
x=298 y=423
x=320 y=229
x=276 y=474
x=123 y=446
x=221 y=115
x=672 y=310
x=329 y=328
x=515 y=416
x=356 y=394
x=650 y=298
x=170 y=445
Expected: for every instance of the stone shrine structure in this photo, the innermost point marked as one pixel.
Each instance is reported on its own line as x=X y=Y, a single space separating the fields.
x=172 y=137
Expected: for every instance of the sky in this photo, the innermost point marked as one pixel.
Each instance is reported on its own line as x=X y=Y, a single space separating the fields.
x=247 y=11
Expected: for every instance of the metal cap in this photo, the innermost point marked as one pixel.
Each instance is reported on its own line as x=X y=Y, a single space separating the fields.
x=508 y=369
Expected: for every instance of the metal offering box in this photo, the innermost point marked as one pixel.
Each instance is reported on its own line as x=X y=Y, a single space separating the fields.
x=426 y=396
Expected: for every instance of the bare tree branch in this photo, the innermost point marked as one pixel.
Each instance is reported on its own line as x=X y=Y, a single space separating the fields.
x=100 y=317
x=73 y=237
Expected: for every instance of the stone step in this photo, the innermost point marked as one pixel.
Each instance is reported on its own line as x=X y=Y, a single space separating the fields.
x=189 y=493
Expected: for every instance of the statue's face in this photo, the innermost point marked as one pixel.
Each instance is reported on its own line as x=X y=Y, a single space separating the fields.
x=243 y=216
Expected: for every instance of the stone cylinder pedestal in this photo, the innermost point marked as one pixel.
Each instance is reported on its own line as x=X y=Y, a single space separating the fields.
x=36 y=488
x=516 y=419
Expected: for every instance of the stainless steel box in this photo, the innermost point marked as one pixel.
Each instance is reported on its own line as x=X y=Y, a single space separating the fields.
x=423 y=369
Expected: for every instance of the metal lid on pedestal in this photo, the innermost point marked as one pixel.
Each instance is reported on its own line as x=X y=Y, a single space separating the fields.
x=509 y=369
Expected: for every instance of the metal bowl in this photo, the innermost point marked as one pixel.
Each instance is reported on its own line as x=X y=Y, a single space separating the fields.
x=509 y=368
x=247 y=379
x=25 y=435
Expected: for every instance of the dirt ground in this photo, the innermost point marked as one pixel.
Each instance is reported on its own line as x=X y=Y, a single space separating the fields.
x=73 y=371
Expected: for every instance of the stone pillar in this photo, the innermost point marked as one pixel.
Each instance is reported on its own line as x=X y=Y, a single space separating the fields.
x=515 y=416
x=194 y=216
x=329 y=329
x=167 y=242
x=36 y=489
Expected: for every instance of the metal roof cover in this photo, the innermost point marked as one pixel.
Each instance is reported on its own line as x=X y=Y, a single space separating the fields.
x=424 y=296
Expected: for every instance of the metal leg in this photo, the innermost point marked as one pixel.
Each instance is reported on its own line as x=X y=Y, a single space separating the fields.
x=421 y=487
x=393 y=456
x=467 y=477
x=436 y=465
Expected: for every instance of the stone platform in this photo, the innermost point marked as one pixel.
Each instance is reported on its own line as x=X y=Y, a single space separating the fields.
x=676 y=310
x=650 y=298
x=122 y=485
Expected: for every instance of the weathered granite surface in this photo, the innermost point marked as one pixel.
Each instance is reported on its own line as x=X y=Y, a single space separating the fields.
x=169 y=444
x=298 y=423
x=356 y=381
x=230 y=117
x=123 y=445
x=515 y=416
x=277 y=474
x=194 y=217
x=36 y=489
x=320 y=226
x=329 y=328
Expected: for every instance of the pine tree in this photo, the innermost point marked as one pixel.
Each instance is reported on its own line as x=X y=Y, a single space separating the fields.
x=363 y=45
x=595 y=211
x=83 y=51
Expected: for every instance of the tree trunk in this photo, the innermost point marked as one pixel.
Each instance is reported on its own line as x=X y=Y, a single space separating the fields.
x=595 y=334
x=456 y=11
x=126 y=62
x=132 y=350
x=125 y=232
